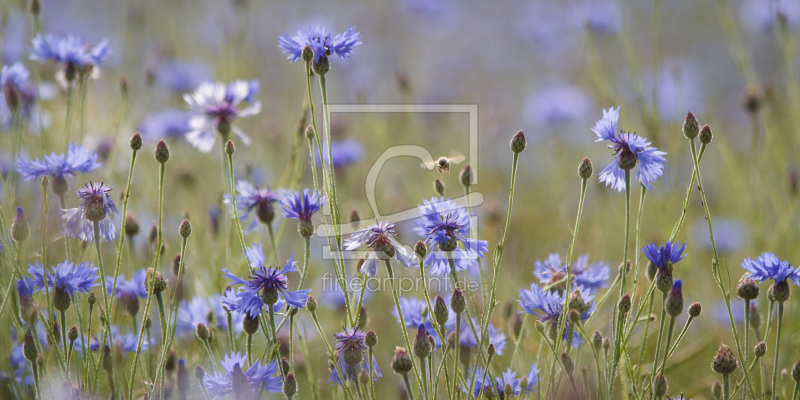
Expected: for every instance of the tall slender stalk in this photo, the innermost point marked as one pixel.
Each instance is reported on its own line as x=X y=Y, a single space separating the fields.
x=233 y=204
x=623 y=272
x=106 y=302
x=777 y=351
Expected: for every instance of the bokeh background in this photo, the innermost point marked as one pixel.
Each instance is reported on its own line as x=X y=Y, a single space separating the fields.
x=547 y=68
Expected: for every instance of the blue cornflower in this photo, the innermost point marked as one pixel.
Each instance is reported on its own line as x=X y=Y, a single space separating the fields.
x=251 y=199
x=381 y=237
x=663 y=257
x=266 y=285
x=416 y=313
x=128 y=289
x=630 y=150
x=302 y=205
x=23 y=373
x=508 y=377
x=764 y=15
x=350 y=347
x=590 y=276
x=164 y=124
x=199 y=310
x=127 y=342
x=548 y=305
x=66 y=276
x=345 y=152
x=59 y=166
x=446 y=224
x=258 y=377
x=13 y=78
x=320 y=41
x=96 y=206
x=768 y=266
x=179 y=75
x=69 y=51
x=216 y=106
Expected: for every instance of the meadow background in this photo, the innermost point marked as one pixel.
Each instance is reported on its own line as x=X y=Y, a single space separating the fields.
x=547 y=68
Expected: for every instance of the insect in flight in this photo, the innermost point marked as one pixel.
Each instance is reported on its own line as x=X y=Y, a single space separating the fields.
x=443 y=163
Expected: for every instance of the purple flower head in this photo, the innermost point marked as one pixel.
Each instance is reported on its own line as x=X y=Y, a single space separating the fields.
x=23 y=373
x=590 y=276
x=416 y=313
x=669 y=253
x=180 y=76
x=483 y=382
x=67 y=276
x=253 y=200
x=381 y=237
x=768 y=266
x=345 y=152
x=96 y=206
x=165 y=124
x=59 y=166
x=547 y=305
x=217 y=105
x=256 y=378
x=302 y=205
x=446 y=224
x=128 y=289
x=69 y=51
x=25 y=288
x=199 y=310
x=650 y=161
x=14 y=77
x=320 y=41
x=263 y=282
x=127 y=342
x=351 y=340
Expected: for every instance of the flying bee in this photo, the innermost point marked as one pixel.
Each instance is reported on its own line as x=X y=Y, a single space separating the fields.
x=443 y=163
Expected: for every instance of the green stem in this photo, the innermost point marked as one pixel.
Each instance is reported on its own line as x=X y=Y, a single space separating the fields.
x=233 y=203
x=330 y=353
x=68 y=117
x=402 y=320
x=777 y=351
x=122 y=227
x=409 y=392
x=274 y=245
x=103 y=279
x=623 y=272
x=83 y=89
x=726 y=390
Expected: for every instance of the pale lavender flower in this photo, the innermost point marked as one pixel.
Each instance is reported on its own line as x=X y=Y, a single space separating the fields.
x=69 y=50
x=320 y=41
x=381 y=237
x=67 y=276
x=165 y=124
x=590 y=276
x=96 y=206
x=253 y=380
x=77 y=159
x=216 y=107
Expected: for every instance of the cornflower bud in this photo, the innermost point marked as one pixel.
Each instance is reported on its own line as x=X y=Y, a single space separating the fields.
x=705 y=135
x=518 y=142
x=695 y=309
x=760 y=349
x=186 y=229
x=690 y=126
x=371 y=338
x=20 y=230
x=585 y=168
x=136 y=142
x=457 y=302
x=724 y=362
x=162 y=152
x=674 y=304
x=401 y=361
x=421 y=345
x=289 y=385
x=466 y=176
x=440 y=311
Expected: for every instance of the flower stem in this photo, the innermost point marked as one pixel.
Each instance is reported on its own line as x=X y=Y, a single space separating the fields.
x=726 y=390
x=68 y=117
x=235 y=213
x=409 y=392
x=623 y=272
x=103 y=279
x=122 y=227
x=777 y=351
x=402 y=320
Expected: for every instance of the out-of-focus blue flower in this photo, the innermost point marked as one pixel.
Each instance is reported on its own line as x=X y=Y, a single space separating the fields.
x=252 y=200
x=416 y=313
x=128 y=289
x=165 y=124
x=69 y=50
x=768 y=266
x=321 y=41
x=23 y=373
x=302 y=205
x=483 y=381
x=199 y=310
x=25 y=288
x=676 y=91
x=729 y=234
x=590 y=276
x=446 y=224
x=14 y=77
x=258 y=377
x=381 y=237
x=77 y=223
x=345 y=152
x=600 y=16
x=127 y=342
x=67 y=276
x=59 y=166
x=763 y=14
x=181 y=76
x=649 y=160
x=669 y=253
x=547 y=305
x=217 y=105
x=351 y=339
x=556 y=106
x=248 y=299
x=720 y=312
x=331 y=295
